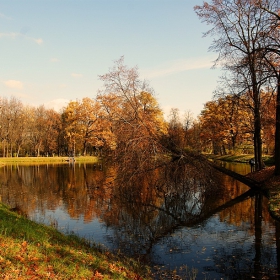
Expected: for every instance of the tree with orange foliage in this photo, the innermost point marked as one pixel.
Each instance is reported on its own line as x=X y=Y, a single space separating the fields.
x=227 y=123
x=85 y=126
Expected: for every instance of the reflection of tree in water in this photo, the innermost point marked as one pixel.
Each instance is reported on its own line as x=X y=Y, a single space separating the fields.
x=239 y=263
x=78 y=189
x=151 y=205
x=255 y=261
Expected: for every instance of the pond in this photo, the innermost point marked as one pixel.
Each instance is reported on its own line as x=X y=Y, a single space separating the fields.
x=176 y=216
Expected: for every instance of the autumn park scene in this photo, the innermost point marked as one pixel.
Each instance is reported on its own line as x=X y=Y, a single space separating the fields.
x=113 y=186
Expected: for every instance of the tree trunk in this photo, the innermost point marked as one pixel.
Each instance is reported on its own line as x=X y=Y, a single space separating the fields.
x=257 y=135
x=277 y=130
x=18 y=150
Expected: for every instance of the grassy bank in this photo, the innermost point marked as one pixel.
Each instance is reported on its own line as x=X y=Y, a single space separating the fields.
x=44 y=160
x=32 y=251
x=268 y=159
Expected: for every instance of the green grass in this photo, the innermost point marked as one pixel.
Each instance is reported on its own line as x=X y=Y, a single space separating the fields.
x=268 y=159
x=32 y=251
x=44 y=160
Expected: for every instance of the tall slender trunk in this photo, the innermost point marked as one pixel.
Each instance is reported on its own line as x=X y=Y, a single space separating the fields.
x=257 y=131
x=277 y=130
x=258 y=143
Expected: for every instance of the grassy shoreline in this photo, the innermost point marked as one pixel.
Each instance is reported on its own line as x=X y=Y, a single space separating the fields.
x=33 y=251
x=268 y=159
x=45 y=160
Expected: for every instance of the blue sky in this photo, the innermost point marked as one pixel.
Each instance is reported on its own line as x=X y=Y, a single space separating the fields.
x=52 y=51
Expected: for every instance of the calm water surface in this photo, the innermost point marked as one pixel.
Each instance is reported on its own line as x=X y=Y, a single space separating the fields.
x=177 y=216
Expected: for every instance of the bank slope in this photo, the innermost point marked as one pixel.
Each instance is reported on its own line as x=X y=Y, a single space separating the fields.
x=32 y=251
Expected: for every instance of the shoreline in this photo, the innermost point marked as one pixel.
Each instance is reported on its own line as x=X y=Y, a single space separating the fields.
x=47 y=160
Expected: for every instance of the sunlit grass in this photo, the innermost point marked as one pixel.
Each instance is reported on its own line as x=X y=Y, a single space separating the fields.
x=45 y=160
x=268 y=159
x=32 y=251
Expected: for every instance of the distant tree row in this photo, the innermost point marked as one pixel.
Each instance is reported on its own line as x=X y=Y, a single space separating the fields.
x=101 y=125
x=26 y=130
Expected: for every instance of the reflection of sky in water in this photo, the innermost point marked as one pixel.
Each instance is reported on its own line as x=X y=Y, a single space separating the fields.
x=95 y=230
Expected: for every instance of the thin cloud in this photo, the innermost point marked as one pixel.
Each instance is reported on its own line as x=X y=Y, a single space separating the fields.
x=4 y=16
x=54 y=59
x=13 y=84
x=76 y=75
x=38 y=41
x=57 y=104
x=177 y=66
x=14 y=35
x=9 y=35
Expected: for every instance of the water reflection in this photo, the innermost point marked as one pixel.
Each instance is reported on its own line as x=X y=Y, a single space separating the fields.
x=176 y=215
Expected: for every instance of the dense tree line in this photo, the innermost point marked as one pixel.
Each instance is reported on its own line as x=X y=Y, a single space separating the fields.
x=227 y=125
x=92 y=126
x=125 y=121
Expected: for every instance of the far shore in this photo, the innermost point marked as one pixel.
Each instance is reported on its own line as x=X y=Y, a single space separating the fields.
x=45 y=160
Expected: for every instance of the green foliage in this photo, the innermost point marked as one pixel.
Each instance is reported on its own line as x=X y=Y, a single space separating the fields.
x=268 y=160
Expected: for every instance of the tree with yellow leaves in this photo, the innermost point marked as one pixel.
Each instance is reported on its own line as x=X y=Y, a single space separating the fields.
x=85 y=126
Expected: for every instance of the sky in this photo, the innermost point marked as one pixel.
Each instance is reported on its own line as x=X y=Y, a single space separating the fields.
x=53 y=51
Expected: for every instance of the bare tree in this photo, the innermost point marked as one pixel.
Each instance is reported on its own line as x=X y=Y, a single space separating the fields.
x=135 y=117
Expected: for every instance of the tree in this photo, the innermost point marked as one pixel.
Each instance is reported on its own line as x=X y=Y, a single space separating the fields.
x=84 y=125
x=13 y=126
x=43 y=127
x=271 y=56
x=226 y=123
x=52 y=131
x=239 y=26
x=176 y=133
x=268 y=120
x=136 y=119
